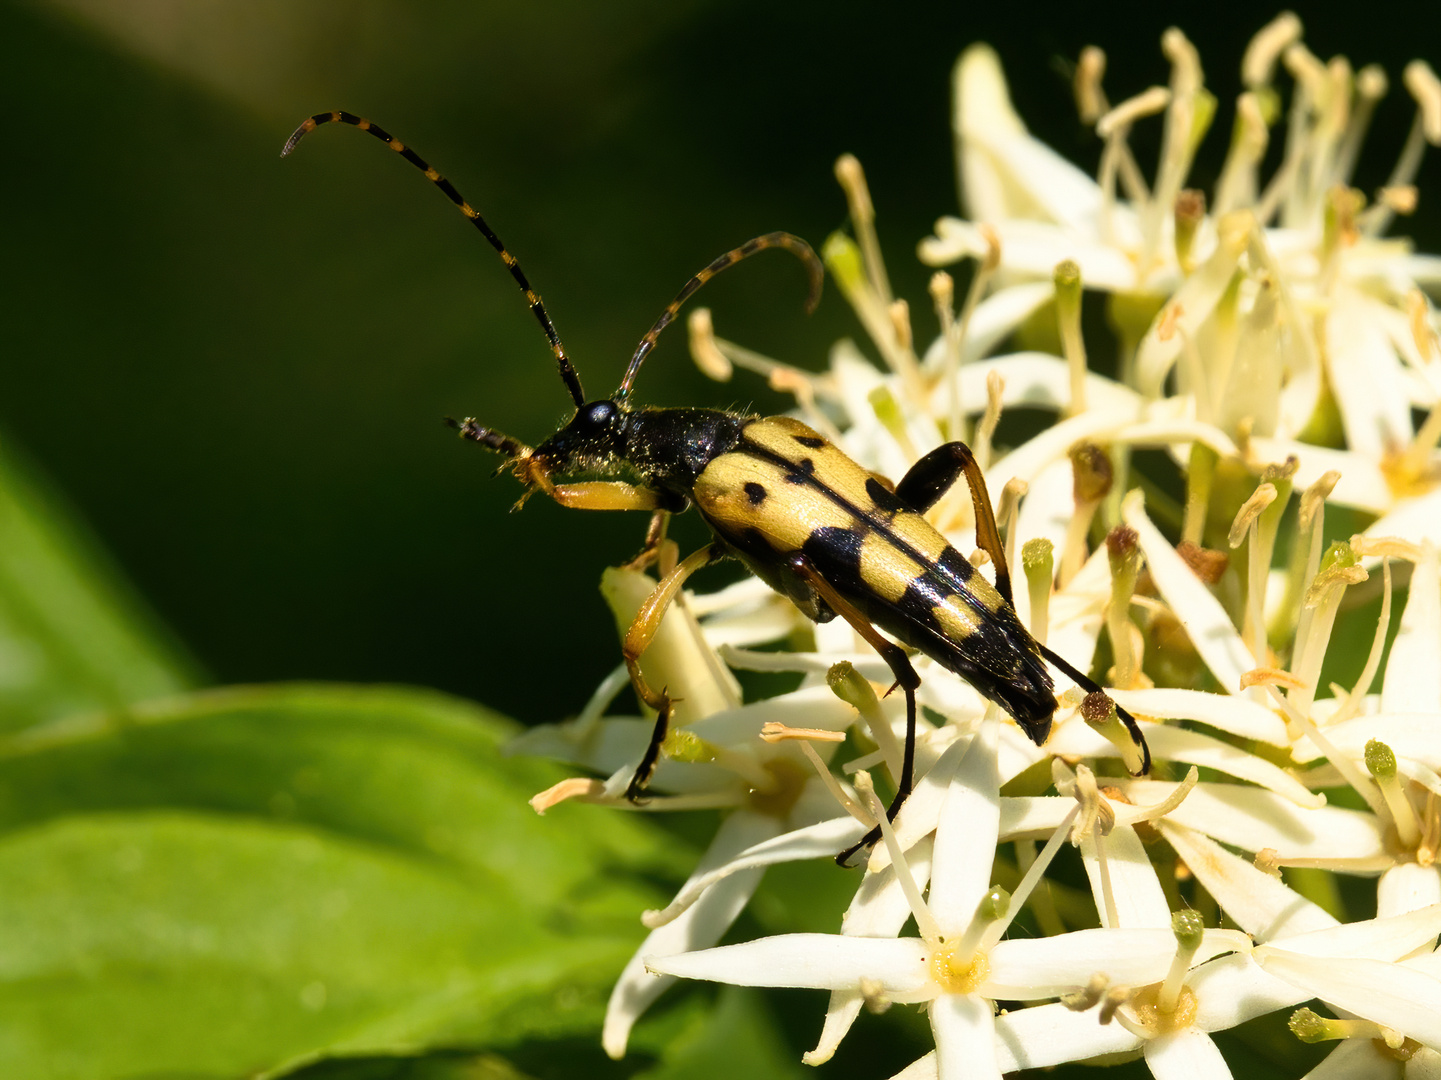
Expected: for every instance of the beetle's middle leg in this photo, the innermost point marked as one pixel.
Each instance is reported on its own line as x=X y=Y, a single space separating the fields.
x=900 y=665
x=932 y=476
x=654 y=537
x=642 y=630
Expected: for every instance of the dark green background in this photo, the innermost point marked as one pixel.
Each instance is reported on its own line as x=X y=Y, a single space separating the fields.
x=235 y=366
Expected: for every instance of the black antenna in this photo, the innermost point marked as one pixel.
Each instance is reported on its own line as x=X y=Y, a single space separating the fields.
x=567 y=371
x=794 y=244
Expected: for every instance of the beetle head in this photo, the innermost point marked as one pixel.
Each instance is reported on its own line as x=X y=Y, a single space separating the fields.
x=593 y=439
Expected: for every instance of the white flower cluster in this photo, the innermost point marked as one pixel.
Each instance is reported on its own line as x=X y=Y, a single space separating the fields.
x=1279 y=348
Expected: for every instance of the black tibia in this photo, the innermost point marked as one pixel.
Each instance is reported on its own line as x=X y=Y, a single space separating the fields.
x=1090 y=686
x=567 y=370
x=470 y=429
x=932 y=476
x=794 y=244
x=906 y=678
x=637 y=639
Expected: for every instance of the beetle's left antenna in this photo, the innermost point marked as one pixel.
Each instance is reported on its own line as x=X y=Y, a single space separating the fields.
x=567 y=370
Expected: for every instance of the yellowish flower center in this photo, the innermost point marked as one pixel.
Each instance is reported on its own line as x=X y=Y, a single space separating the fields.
x=1146 y=1009
x=957 y=974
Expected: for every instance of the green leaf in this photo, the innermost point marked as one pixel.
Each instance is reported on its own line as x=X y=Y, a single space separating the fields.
x=72 y=637
x=236 y=882
x=736 y=1038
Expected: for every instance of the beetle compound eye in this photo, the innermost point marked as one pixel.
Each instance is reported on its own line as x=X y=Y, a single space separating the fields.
x=601 y=413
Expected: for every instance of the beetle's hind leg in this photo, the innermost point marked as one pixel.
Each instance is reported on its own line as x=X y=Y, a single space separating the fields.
x=637 y=639
x=906 y=678
x=933 y=475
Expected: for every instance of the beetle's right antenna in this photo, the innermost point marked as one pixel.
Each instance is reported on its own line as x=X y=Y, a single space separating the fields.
x=567 y=370
x=794 y=244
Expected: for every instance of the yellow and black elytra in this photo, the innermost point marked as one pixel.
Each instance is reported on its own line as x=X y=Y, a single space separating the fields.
x=793 y=508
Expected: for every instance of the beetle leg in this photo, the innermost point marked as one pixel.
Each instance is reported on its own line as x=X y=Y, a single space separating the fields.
x=900 y=665
x=642 y=630
x=654 y=535
x=1088 y=684
x=604 y=495
x=932 y=476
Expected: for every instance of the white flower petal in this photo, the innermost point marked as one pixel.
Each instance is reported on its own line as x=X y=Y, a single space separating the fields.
x=879 y=909
x=1416 y=519
x=1194 y=301
x=1045 y=513
x=1004 y=172
x=965 y=1030
x=1225 y=712
x=1024 y=969
x=1135 y=889
x=1253 y=818
x=1386 y=993
x=811 y=706
x=923 y=1068
x=1416 y=736
x=678 y=656
x=994 y=319
x=1357 y=1059
x=1186 y=1055
x=1032 y=249
x=616 y=743
x=917 y=817
x=1032 y=817
x=966 y=833
x=1046 y=1035
x=1388 y=938
x=841 y=1013
x=1233 y=989
x=899 y=966
x=1194 y=748
x=1413 y=675
x=1205 y=621
x=702 y=925
x=819 y=841
x=1366 y=374
x=1408 y=887
x=1034 y=380
x=1261 y=905
x=1362 y=485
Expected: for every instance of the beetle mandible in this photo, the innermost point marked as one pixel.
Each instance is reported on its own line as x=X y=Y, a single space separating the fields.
x=792 y=507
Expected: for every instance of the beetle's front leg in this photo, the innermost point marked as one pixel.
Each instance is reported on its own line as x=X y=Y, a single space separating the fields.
x=605 y=495
x=901 y=667
x=933 y=475
x=637 y=639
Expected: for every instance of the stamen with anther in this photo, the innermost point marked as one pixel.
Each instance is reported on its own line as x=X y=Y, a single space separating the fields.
x=855 y=690
x=1381 y=763
x=1124 y=554
x=1038 y=560
x=1067 y=278
x=1093 y=476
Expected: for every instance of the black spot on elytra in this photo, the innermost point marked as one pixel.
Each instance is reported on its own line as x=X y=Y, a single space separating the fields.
x=800 y=471
x=755 y=493
x=882 y=498
x=955 y=565
x=811 y=442
x=919 y=601
x=836 y=553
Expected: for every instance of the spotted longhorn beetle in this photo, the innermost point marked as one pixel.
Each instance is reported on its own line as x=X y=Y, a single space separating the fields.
x=812 y=524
